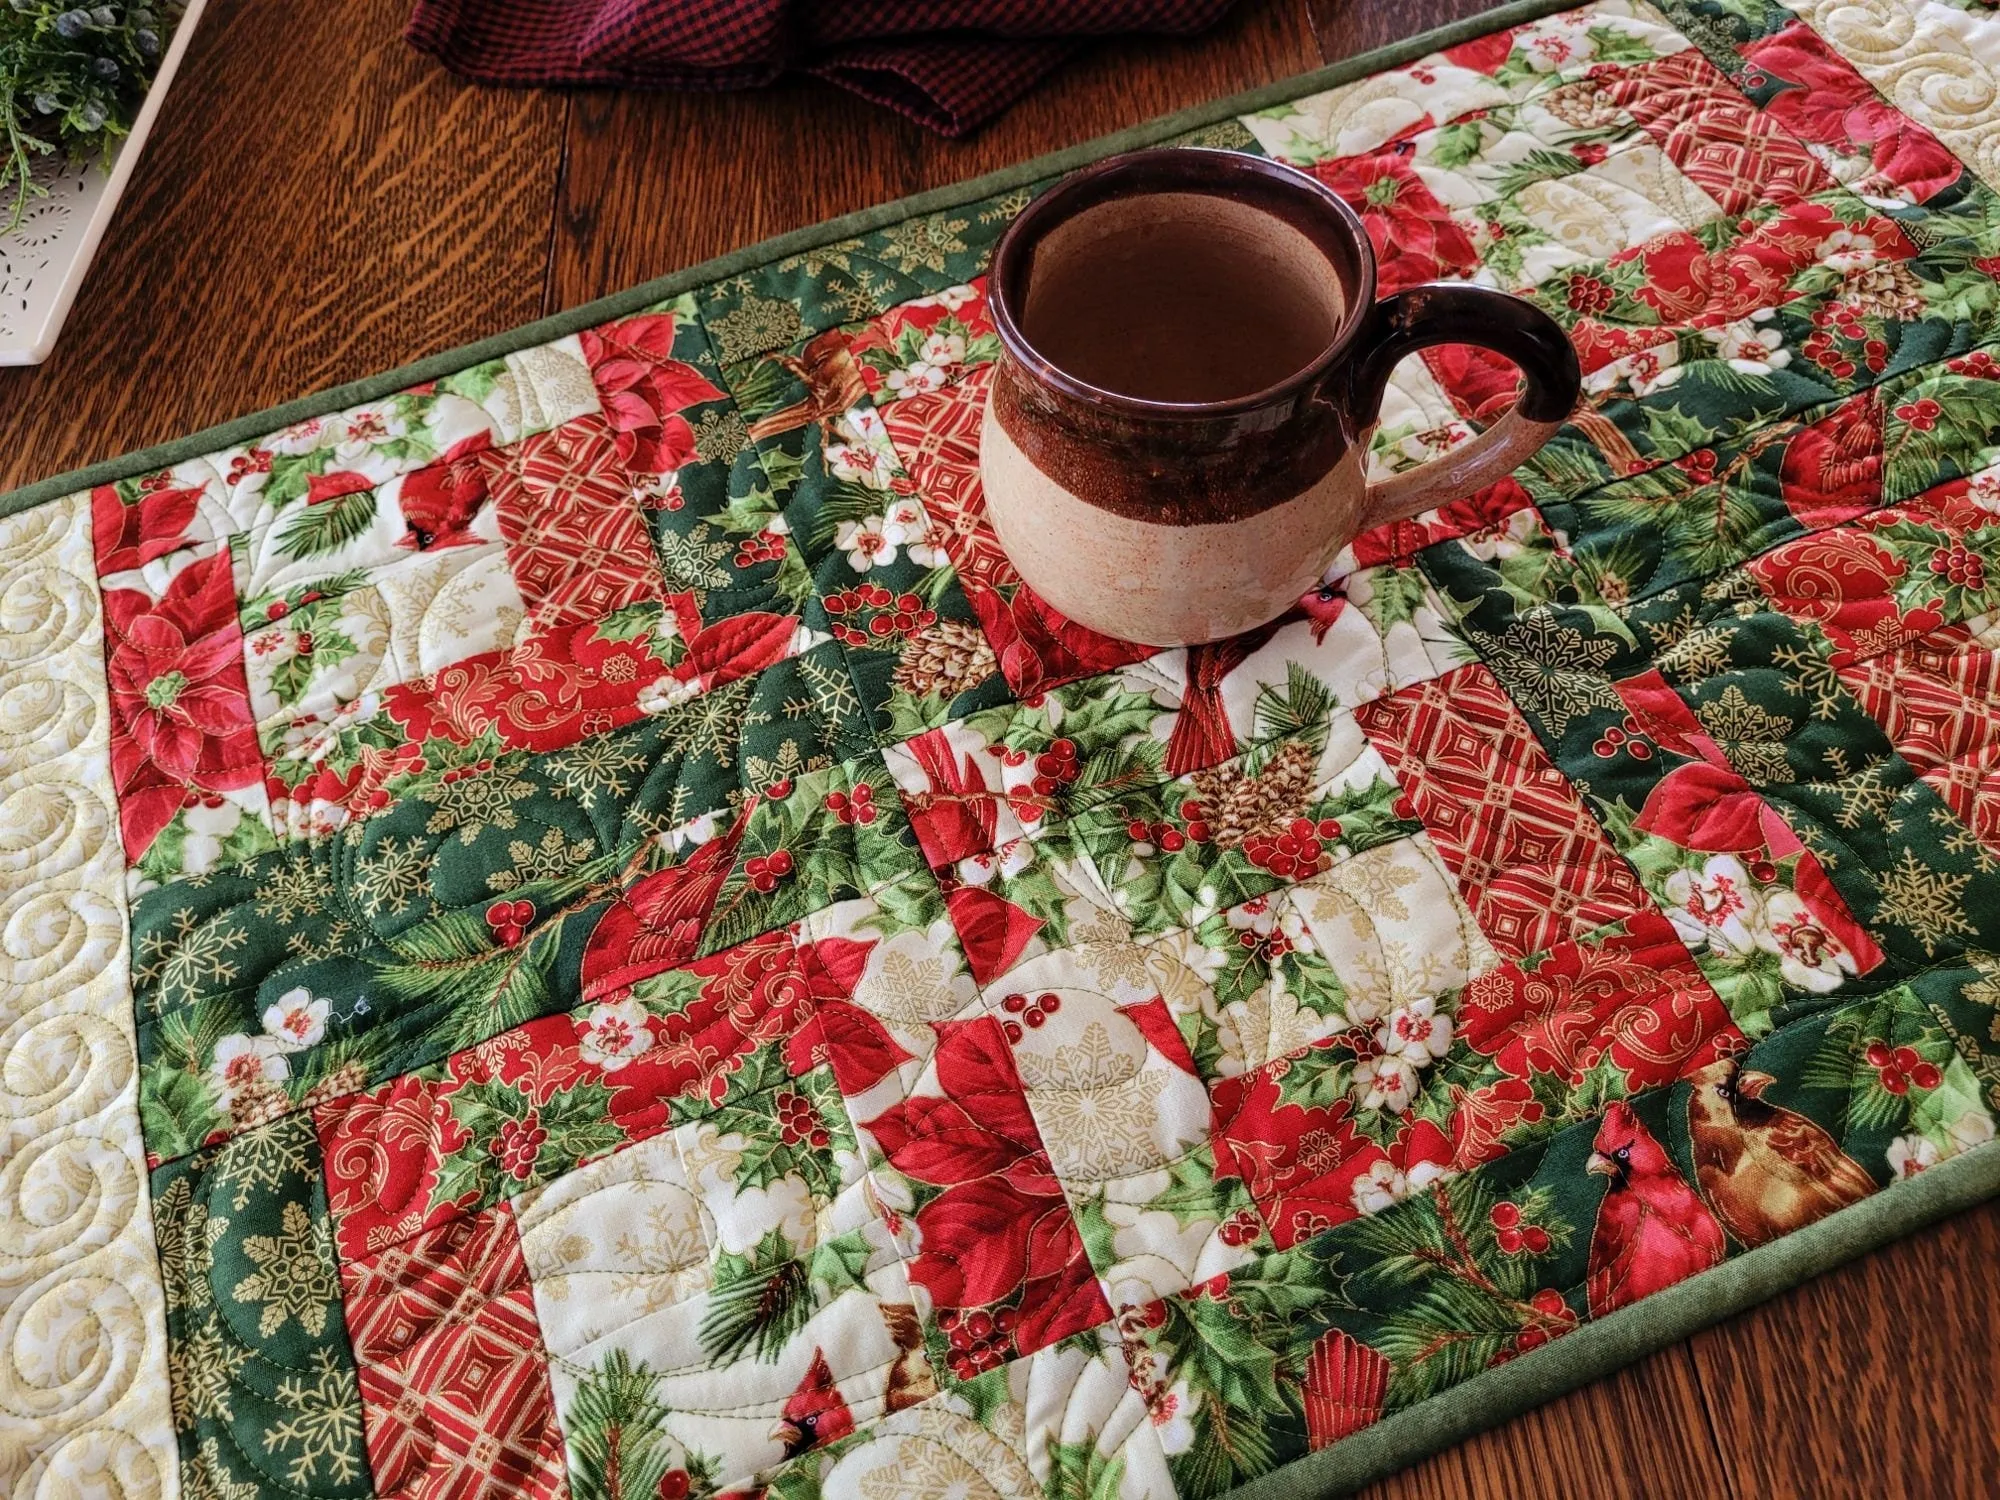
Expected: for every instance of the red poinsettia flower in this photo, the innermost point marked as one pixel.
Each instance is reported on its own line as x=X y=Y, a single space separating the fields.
x=1416 y=239
x=840 y=1033
x=1484 y=54
x=180 y=706
x=1833 y=105
x=439 y=501
x=992 y=930
x=1001 y=1230
x=130 y=536
x=643 y=388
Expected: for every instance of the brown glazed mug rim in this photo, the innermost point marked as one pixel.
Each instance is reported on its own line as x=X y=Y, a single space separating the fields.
x=1159 y=170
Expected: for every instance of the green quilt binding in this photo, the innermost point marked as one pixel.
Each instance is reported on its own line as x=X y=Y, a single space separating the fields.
x=1498 y=1394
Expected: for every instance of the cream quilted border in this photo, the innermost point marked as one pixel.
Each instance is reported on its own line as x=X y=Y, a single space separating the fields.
x=83 y=1368
x=1938 y=64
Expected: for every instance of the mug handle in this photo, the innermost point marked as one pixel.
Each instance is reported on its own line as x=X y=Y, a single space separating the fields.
x=1442 y=312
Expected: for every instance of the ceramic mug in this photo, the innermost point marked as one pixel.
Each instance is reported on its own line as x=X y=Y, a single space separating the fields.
x=1192 y=360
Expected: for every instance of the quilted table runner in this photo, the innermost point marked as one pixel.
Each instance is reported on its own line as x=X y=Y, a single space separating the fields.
x=571 y=929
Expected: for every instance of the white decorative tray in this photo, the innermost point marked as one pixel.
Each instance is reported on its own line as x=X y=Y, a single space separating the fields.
x=43 y=261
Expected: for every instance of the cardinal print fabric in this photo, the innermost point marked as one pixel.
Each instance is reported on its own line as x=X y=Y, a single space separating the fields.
x=576 y=931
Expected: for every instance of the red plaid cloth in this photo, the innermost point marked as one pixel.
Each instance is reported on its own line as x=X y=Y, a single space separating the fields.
x=951 y=65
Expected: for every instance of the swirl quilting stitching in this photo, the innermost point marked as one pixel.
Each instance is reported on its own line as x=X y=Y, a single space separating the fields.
x=83 y=1384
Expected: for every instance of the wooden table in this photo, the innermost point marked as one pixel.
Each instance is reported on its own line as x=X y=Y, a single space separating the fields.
x=319 y=202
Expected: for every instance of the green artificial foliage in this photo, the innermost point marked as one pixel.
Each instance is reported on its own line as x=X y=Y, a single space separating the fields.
x=71 y=80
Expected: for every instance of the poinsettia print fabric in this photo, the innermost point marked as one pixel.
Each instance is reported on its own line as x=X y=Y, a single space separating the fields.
x=659 y=967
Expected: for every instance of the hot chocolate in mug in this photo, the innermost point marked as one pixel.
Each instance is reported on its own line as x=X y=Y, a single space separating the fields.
x=1192 y=360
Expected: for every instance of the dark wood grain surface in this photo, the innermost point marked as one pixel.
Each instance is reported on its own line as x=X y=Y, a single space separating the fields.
x=319 y=202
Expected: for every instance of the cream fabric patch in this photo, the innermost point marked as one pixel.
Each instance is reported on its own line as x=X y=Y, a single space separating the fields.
x=83 y=1368
x=1936 y=63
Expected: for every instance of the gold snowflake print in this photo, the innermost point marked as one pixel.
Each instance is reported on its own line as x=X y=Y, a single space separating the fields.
x=1751 y=736
x=392 y=876
x=202 y=1367
x=922 y=244
x=1096 y=1104
x=475 y=802
x=1927 y=902
x=294 y=1280
x=756 y=325
x=206 y=1477
x=1550 y=669
x=294 y=889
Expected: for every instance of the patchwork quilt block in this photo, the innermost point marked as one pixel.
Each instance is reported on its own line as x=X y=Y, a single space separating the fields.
x=574 y=929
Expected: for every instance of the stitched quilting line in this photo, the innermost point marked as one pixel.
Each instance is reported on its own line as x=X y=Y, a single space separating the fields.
x=1093 y=871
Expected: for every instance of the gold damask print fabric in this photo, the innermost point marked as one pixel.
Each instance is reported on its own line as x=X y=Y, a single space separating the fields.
x=573 y=929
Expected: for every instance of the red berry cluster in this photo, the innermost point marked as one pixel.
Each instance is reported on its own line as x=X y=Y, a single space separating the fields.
x=518 y=1143
x=1903 y=1069
x=256 y=461
x=1034 y=1012
x=277 y=609
x=979 y=1340
x=1979 y=365
x=674 y=1485
x=857 y=806
x=1511 y=1235
x=1299 y=851
x=1240 y=1228
x=462 y=773
x=1956 y=565
x=1555 y=1317
x=797 y=1121
x=1054 y=767
x=766 y=870
x=1922 y=415
x=765 y=546
x=1624 y=737
x=509 y=920
x=1590 y=294
x=869 y=615
x=1590 y=153
x=194 y=798
x=1163 y=836
x=1700 y=465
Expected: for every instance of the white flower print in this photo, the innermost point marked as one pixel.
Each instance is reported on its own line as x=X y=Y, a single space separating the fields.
x=244 y=1062
x=1749 y=349
x=1911 y=1154
x=207 y=826
x=1384 y=1082
x=866 y=543
x=668 y=692
x=906 y=523
x=1847 y=251
x=614 y=1034
x=1384 y=1184
x=1716 y=906
x=1809 y=956
x=1170 y=1413
x=1416 y=1033
x=297 y=1020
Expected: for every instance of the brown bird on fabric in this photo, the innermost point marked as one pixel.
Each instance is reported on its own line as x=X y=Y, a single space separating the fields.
x=910 y=1378
x=833 y=385
x=1764 y=1170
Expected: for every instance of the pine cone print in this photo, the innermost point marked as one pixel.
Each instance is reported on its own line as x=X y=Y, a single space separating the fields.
x=946 y=659
x=1237 y=806
x=1889 y=290
x=1584 y=105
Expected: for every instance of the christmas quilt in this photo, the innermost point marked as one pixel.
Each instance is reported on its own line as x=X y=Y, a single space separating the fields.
x=571 y=929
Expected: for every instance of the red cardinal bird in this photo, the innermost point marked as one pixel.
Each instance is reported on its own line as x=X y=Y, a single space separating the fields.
x=439 y=502
x=815 y=1415
x=1202 y=736
x=1652 y=1230
x=656 y=923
